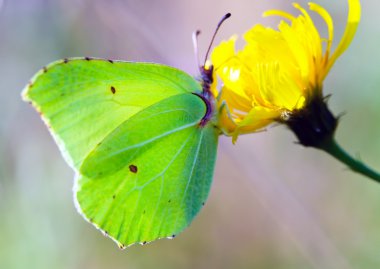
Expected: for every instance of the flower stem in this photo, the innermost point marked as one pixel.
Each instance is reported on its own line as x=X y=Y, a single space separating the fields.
x=331 y=147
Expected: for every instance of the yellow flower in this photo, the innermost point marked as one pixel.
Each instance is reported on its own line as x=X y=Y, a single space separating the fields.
x=278 y=72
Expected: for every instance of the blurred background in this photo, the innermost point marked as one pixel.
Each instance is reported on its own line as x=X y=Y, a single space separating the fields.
x=273 y=204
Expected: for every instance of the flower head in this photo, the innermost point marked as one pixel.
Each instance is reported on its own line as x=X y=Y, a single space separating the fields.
x=278 y=72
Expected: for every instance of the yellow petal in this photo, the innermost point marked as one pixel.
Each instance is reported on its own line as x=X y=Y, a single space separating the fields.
x=223 y=53
x=280 y=13
x=235 y=101
x=277 y=86
x=257 y=119
x=265 y=45
x=314 y=42
x=354 y=11
x=292 y=38
x=229 y=67
x=329 y=22
x=225 y=121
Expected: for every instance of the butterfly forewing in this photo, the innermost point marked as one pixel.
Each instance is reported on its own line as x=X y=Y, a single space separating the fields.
x=83 y=100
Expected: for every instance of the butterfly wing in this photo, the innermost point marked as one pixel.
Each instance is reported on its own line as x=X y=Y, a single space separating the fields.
x=149 y=178
x=131 y=131
x=82 y=101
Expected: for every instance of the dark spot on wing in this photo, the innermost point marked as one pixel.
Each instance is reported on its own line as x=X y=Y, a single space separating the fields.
x=110 y=61
x=106 y=233
x=169 y=201
x=44 y=69
x=113 y=196
x=144 y=242
x=173 y=235
x=30 y=85
x=65 y=60
x=113 y=90
x=133 y=168
x=144 y=212
x=62 y=94
x=91 y=220
x=87 y=58
x=203 y=203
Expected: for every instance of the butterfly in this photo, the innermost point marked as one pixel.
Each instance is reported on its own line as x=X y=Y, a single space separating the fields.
x=140 y=137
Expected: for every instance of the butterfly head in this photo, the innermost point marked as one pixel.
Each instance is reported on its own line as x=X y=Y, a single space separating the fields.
x=207 y=69
x=207 y=75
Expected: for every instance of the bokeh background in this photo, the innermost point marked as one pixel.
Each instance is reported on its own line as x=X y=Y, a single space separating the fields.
x=273 y=204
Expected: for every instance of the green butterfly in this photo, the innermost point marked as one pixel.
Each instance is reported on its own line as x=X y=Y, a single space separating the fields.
x=141 y=138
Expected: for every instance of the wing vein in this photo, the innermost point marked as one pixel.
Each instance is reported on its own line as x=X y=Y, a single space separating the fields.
x=145 y=142
x=170 y=163
x=191 y=174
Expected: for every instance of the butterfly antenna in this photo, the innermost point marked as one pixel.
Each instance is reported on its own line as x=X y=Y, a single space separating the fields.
x=225 y=17
x=195 y=44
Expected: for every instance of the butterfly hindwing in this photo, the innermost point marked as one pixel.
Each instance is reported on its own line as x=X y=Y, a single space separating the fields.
x=150 y=177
